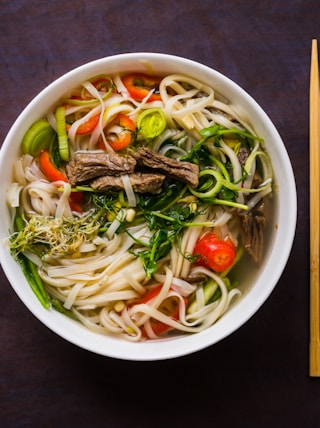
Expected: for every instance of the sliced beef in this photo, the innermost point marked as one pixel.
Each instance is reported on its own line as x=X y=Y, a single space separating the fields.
x=217 y=111
x=86 y=166
x=182 y=171
x=243 y=156
x=198 y=277
x=253 y=226
x=141 y=183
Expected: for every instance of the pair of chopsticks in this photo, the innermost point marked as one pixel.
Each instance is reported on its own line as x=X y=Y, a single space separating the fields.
x=314 y=364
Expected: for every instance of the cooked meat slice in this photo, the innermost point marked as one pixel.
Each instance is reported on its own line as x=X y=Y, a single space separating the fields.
x=220 y=113
x=195 y=278
x=182 y=171
x=243 y=156
x=86 y=166
x=253 y=226
x=141 y=183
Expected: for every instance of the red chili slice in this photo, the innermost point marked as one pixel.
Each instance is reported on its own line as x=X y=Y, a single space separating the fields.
x=139 y=85
x=124 y=137
x=171 y=310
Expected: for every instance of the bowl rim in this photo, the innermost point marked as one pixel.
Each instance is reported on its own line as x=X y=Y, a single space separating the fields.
x=182 y=345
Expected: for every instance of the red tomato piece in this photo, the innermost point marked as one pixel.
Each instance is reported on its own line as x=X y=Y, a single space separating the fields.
x=215 y=253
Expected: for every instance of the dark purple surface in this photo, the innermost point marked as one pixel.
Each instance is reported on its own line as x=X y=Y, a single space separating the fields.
x=257 y=377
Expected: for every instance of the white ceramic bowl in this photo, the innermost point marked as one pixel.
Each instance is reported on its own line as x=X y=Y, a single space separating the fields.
x=280 y=241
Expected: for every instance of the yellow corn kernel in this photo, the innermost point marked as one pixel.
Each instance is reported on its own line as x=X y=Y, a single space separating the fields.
x=113 y=214
x=193 y=207
x=119 y=306
x=130 y=214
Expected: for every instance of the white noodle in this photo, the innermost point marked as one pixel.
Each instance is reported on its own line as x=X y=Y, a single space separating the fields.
x=132 y=202
x=13 y=195
x=63 y=208
x=73 y=294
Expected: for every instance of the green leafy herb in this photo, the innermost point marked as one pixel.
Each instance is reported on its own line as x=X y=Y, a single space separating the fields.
x=215 y=133
x=166 y=227
x=168 y=197
x=228 y=194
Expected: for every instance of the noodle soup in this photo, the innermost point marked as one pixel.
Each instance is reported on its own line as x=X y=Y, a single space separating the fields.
x=124 y=271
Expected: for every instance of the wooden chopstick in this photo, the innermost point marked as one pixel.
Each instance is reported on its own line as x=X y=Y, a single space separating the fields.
x=314 y=364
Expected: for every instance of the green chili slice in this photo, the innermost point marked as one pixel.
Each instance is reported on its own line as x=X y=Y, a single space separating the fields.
x=151 y=123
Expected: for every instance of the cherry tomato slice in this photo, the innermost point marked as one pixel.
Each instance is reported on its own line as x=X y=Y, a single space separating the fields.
x=215 y=253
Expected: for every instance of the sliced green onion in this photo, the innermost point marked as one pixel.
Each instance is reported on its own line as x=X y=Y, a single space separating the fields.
x=151 y=123
x=62 y=133
x=35 y=282
x=251 y=158
x=220 y=181
x=30 y=270
x=222 y=167
x=217 y=201
x=104 y=83
x=237 y=131
x=38 y=137
x=212 y=191
x=76 y=102
x=109 y=87
x=58 y=306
